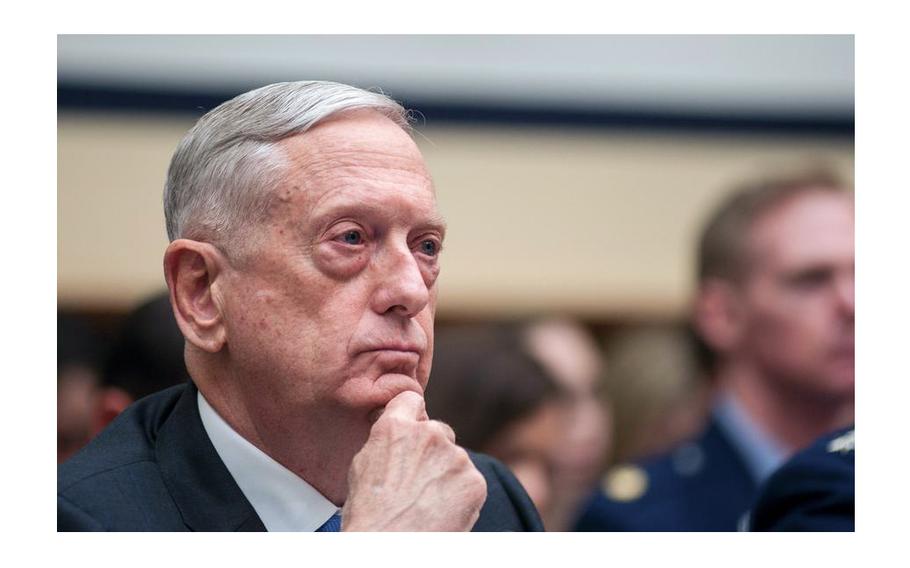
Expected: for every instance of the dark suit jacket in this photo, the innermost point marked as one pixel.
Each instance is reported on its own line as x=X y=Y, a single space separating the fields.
x=701 y=486
x=813 y=491
x=155 y=469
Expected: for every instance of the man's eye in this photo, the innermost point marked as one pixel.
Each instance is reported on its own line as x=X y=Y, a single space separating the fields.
x=352 y=237
x=811 y=278
x=429 y=247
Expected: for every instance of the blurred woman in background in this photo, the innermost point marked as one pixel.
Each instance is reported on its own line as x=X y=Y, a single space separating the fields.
x=526 y=396
x=499 y=400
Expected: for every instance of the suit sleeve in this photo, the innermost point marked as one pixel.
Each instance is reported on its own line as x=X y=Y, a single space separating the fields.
x=525 y=508
x=508 y=507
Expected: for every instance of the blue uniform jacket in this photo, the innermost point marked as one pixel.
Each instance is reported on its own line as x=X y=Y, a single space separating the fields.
x=701 y=486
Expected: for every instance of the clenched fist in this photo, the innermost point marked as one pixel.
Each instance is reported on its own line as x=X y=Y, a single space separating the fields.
x=410 y=475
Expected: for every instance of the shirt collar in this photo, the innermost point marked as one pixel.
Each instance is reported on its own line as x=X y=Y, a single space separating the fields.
x=761 y=452
x=283 y=500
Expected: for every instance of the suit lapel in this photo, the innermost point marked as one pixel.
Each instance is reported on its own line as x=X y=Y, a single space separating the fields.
x=205 y=492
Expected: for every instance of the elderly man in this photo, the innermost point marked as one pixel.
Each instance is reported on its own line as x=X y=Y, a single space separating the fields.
x=302 y=270
x=774 y=306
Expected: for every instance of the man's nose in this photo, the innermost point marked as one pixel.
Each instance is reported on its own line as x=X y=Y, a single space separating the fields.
x=400 y=286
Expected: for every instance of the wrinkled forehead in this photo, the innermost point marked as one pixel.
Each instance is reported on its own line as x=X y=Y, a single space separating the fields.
x=363 y=140
x=360 y=160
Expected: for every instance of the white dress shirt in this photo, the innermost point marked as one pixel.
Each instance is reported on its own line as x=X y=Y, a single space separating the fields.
x=283 y=501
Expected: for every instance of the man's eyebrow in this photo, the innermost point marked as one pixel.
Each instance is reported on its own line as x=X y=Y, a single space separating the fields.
x=435 y=221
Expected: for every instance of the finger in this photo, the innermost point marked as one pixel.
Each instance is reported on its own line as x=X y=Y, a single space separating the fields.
x=445 y=429
x=407 y=405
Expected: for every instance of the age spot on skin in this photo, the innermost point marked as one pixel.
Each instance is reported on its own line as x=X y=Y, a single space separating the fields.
x=286 y=194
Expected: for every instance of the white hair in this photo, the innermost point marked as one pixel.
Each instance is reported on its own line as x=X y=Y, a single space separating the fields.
x=225 y=166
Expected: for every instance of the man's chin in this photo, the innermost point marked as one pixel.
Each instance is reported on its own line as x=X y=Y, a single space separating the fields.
x=370 y=394
x=389 y=385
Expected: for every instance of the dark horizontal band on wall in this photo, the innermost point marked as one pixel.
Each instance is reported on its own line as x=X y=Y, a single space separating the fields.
x=72 y=96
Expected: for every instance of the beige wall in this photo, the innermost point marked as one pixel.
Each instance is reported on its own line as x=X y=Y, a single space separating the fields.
x=596 y=223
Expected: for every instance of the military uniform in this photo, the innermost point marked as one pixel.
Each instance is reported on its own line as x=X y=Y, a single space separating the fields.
x=704 y=485
x=814 y=491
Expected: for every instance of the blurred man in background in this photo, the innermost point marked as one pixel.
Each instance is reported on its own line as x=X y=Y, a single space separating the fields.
x=775 y=309
x=146 y=357
x=80 y=352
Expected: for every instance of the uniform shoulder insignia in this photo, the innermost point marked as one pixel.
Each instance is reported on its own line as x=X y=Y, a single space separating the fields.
x=625 y=483
x=842 y=444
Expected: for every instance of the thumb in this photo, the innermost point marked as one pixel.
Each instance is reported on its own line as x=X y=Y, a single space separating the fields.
x=407 y=405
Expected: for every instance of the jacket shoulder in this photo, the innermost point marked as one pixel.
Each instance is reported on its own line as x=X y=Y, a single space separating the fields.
x=700 y=485
x=632 y=493
x=813 y=491
x=508 y=507
x=117 y=473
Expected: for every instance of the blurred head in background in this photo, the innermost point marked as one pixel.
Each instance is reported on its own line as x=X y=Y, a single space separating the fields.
x=146 y=357
x=499 y=400
x=775 y=303
x=659 y=395
x=574 y=361
x=79 y=355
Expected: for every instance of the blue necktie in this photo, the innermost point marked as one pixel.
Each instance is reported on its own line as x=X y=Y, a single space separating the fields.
x=331 y=525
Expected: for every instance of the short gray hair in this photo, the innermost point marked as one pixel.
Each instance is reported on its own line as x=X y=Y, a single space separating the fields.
x=225 y=164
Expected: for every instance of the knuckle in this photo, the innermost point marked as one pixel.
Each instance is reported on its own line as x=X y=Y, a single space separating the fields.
x=464 y=460
x=439 y=430
x=392 y=424
x=478 y=487
x=448 y=431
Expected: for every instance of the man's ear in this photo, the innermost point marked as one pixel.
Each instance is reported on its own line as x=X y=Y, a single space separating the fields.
x=718 y=314
x=191 y=269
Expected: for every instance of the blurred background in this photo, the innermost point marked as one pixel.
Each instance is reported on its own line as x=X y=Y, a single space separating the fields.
x=574 y=172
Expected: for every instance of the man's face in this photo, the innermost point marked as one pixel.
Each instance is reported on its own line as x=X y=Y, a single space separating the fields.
x=798 y=298
x=333 y=313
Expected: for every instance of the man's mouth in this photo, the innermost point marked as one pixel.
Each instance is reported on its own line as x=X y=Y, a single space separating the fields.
x=393 y=359
x=395 y=347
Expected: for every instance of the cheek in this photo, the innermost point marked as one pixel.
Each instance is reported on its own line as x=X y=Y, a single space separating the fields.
x=425 y=320
x=790 y=339
x=589 y=423
x=792 y=325
x=773 y=315
x=430 y=272
x=287 y=327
